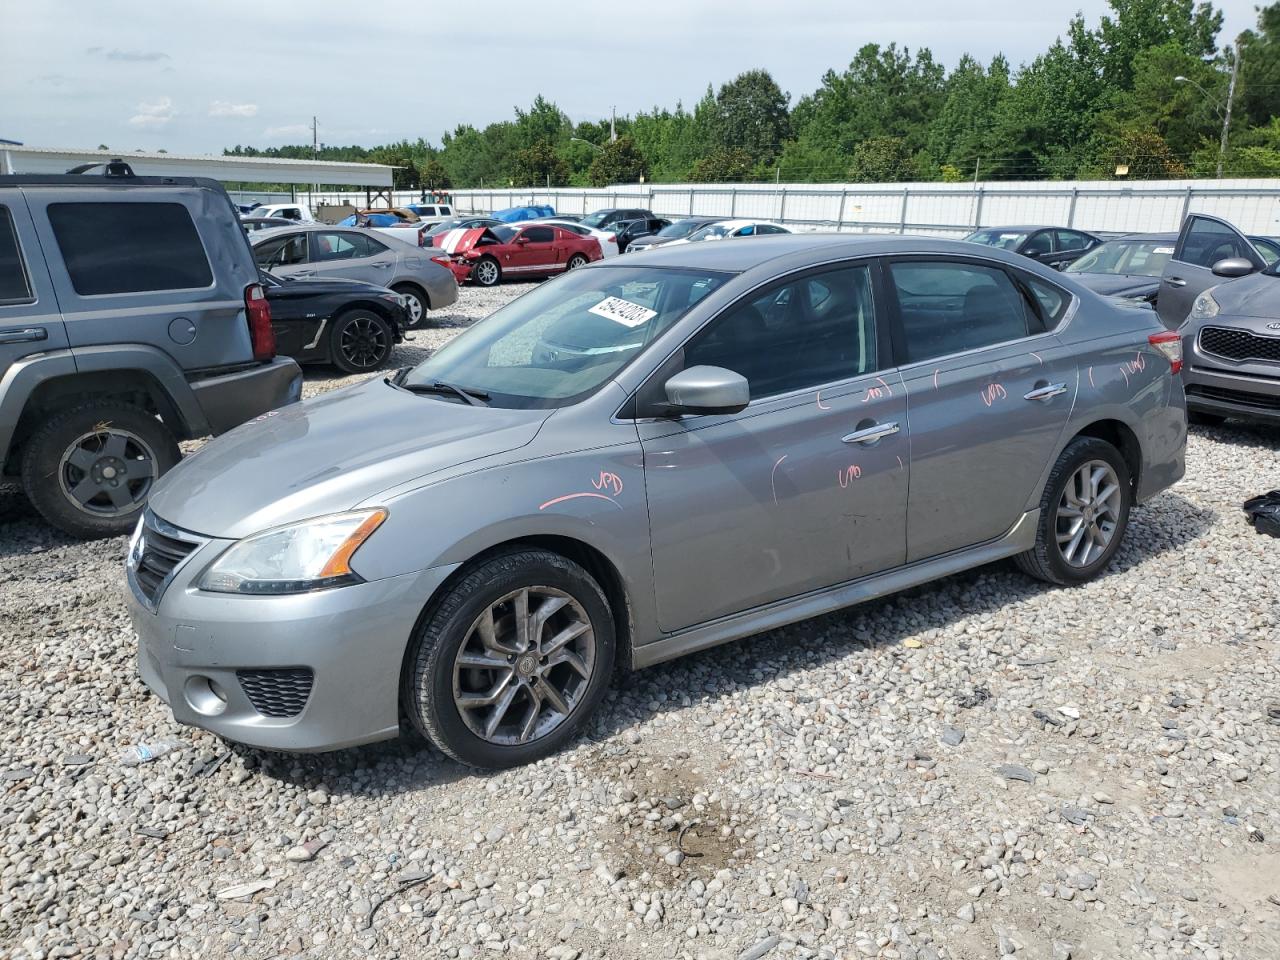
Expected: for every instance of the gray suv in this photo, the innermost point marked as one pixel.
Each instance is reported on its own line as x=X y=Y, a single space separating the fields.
x=637 y=460
x=130 y=318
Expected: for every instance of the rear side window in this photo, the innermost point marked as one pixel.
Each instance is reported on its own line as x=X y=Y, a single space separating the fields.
x=1052 y=301
x=15 y=287
x=950 y=307
x=129 y=247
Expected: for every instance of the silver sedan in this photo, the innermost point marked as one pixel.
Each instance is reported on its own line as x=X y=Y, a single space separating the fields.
x=319 y=250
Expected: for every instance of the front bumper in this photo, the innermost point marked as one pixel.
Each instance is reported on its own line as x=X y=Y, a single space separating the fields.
x=351 y=640
x=233 y=398
x=1249 y=390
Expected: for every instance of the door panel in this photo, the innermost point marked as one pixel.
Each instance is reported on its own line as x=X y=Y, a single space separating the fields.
x=770 y=503
x=537 y=255
x=336 y=254
x=1203 y=241
x=30 y=321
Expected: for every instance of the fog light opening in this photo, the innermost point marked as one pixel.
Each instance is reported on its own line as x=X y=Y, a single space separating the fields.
x=205 y=696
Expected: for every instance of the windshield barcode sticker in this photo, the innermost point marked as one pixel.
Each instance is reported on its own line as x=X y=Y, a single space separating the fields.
x=623 y=311
x=1163 y=250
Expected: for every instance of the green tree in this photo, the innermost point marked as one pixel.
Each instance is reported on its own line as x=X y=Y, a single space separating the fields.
x=539 y=165
x=751 y=114
x=882 y=160
x=617 y=161
x=724 y=166
x=1259 y=95
x=962 y=131
x=433 y=176
x=1140 y=24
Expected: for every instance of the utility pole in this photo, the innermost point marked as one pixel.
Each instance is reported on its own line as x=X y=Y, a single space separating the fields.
x=315 y=155
x=1226 y=118
x=613 y=121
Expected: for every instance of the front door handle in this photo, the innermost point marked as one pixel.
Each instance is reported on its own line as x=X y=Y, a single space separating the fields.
x=1175 y=281
x=383 y=266
x=26 y=335
x=871 y=434
x=1047 y=392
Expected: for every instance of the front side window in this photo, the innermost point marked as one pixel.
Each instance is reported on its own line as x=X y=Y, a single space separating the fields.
x=811 y=331
x=949 y=307
x=129 y=247
x=561 y=341
x=15 y=286
x=1039 y=244
x=1208 y=241
x=282 y=251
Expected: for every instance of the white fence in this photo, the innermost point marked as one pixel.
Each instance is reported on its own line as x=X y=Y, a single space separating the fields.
x=946 y=209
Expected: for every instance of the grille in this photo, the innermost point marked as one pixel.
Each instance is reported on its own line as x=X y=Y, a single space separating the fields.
x=1239 y=344
x=160 y=554
x=277 y=693
x=1258 y=401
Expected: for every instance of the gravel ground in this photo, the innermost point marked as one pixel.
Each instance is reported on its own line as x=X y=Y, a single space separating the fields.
x=982 y=767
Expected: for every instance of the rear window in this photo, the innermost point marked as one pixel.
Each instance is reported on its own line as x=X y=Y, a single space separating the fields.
x=129 y=247
x=14 y=285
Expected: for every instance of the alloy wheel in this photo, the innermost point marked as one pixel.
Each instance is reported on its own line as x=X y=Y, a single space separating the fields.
x=363 y=342
x=524 y=665
x=413 y=303
x=487 y=272
x=107 y=472
x=1088 y=513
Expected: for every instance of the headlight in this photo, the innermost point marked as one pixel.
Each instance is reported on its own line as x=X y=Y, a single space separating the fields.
x=1205 y=307
x=310 y=555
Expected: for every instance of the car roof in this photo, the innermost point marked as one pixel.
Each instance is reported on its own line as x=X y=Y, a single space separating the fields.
x=1149 y=237
x=740 y=257
x=1027 y=228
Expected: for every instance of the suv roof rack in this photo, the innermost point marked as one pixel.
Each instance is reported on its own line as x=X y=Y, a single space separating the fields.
x=113 y=168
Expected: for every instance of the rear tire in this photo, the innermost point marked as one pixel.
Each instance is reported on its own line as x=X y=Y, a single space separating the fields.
x=360 y=341
x=416 y=306
x=1082 y=520
x=89 y=469
x=487 y=272
x=576 y=261
x=471 y=646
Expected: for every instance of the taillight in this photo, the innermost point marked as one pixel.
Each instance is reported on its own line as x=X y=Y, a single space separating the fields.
x=1170 y=344
x=443 y=261
x=258 y=312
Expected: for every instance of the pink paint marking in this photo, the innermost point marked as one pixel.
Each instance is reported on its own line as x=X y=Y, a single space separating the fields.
x=772 y=473
x=575 y=496
x=992 y=393
x=610 y=480
x=935 y=379
x=1091 y=377
x=873 y=393
x=1125 y=373
x=1038 y=357
x=848 y=475
x=885 y=385
x=821 y=405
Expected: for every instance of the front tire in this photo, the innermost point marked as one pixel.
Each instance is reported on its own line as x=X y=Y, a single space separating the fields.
x=511 y=662
x=89 y=469
x=360 y=341
x=1083 y=514
x=487 y=272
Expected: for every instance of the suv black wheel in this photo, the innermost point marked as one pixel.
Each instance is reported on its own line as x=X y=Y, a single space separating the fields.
x=415 y=304
x=511 y=661
x=89 y=469
x=1083 y=514
x=360 y=341
x=486 y=272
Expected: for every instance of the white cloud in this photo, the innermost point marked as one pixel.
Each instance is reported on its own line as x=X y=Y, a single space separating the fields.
x=225 y=108
x=153 y=115
x=291 y=130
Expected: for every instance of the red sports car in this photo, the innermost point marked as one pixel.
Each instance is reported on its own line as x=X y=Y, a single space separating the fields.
x=487 y=255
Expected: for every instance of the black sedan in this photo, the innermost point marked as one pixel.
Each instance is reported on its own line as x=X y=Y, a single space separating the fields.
x=672 y=231
x=1053 y=246
x=629 y=231
x=348 y=323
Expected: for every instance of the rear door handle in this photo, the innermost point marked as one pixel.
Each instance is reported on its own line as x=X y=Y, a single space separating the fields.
x=26 y=335
x=1175 y=281
x=1046 y=392
x=871 y=434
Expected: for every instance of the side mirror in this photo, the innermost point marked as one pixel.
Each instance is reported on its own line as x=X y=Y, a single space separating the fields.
x=522 y=239
x=1233 y=267
x=707 y=390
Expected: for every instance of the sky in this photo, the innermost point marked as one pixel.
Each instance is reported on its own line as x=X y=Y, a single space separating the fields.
x=194 y=77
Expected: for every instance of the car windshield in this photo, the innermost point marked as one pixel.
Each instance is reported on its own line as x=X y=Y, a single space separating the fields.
x=1004 y=239
x=713 y=231
x=561 y=341
x=595 y=219
x=1270 y=249
x=444 y=226
x=1140 y=258
x=504 y=234
x=681 y=228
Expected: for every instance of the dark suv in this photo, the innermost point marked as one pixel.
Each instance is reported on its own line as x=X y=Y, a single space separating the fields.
x=607 y=217
x=131 y=317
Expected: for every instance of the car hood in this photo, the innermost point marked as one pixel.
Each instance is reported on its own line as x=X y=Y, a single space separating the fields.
x=651 y=241
x=464 y=239
x=1257 y=295
x=328 y=454
x=1117 y=284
